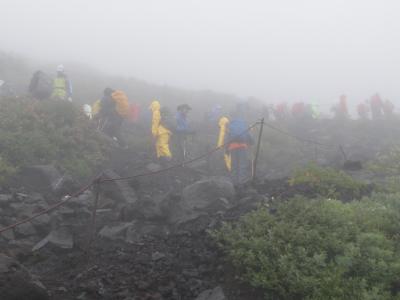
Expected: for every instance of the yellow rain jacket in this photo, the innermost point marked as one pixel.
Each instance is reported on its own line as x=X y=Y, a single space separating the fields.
x=161 y=133
x=223 y=126
x=156 y=118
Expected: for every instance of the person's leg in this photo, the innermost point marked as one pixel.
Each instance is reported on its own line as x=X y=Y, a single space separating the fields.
x=163 y=151
x=180 y=147
x=235 y=166
x=242 y=165
x=116 y=131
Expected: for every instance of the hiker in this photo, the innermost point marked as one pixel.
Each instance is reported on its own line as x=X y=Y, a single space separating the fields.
x=114 y=108
x=280 y=111
x=238 y=141
x=298 y=110
x=182 y=131
x=388 y=109
x=223 y=128
x=62 y=88
x=40 y=86
x=376 y=106
x=340 y=110
x=314 y=107
x=161 y=133
x=134 y=113
x=362 y=110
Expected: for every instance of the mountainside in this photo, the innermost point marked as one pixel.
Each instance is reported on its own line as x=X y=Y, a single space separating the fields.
x=89 y=83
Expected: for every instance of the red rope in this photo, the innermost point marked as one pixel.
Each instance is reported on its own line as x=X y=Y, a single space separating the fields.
x=80 y=191
x=99 y=181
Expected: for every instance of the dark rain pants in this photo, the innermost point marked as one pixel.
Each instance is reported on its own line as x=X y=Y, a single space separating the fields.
x=239 y=171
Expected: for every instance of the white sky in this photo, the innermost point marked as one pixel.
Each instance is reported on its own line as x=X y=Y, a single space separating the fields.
x=282 y=49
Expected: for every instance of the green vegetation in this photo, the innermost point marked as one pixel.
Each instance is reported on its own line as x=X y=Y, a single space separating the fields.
x=327 y=182
x=319 y=249
x=34 y=132
x=387 y=167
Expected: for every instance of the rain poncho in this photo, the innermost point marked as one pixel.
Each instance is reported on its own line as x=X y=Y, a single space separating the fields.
x=223 y=125
x=121 y=103
x=160 y=132
x=156 y=118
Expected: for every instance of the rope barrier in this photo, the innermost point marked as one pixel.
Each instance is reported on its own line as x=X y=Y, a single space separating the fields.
x=98 y=180
x=52 y=207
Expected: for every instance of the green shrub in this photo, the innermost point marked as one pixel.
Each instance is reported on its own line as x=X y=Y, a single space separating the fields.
x=319 y=249
x=327 y=182
x=33 y=132
x=387 y=167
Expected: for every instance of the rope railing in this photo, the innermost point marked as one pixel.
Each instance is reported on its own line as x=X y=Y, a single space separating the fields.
x=99 y=180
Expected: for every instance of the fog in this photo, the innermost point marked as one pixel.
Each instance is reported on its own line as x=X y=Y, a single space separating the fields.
x=276 y=50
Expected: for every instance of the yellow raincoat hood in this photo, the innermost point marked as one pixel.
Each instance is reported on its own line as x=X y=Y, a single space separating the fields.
x=155 y=105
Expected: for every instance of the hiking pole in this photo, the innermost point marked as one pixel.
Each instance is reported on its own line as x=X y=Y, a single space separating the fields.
x=260 y=132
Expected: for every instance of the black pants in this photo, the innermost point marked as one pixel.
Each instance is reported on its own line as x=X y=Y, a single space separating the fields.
x=113 y=129
x=180 y=145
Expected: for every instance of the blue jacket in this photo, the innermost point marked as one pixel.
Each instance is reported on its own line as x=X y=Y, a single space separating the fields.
x=182 y=125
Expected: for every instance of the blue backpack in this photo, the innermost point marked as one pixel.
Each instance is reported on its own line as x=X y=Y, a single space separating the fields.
x=238 y=131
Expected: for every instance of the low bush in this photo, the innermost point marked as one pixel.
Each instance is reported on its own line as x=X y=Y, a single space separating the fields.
x=327 y=182
x=386 y=167
x=33 y=132
x=319 y=249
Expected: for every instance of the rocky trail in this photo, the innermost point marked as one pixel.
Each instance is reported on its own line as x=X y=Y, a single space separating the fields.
x=152 y=238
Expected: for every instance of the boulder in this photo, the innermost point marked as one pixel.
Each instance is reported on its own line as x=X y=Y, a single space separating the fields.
x=61 y=237
x=25 y=229
x=137 y=231
x=214 y=294
x=209 y=194
x=119 y=190
x=146 y=208
x=5 y=200
x=17 y=283
x=42 y=221
x=8 y=235
x=200 y=198
x=114 y=232
x=45 y=179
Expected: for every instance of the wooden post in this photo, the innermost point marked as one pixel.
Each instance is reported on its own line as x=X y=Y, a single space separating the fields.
x=260 y=132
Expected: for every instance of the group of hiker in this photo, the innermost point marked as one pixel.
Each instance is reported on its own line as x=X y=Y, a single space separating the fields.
x=234 y=138
x=170 y=131
x=377 y=107
x=374 y=108
x=43 y=87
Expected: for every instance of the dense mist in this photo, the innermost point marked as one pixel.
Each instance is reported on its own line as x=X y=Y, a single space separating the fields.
x=287 y=50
